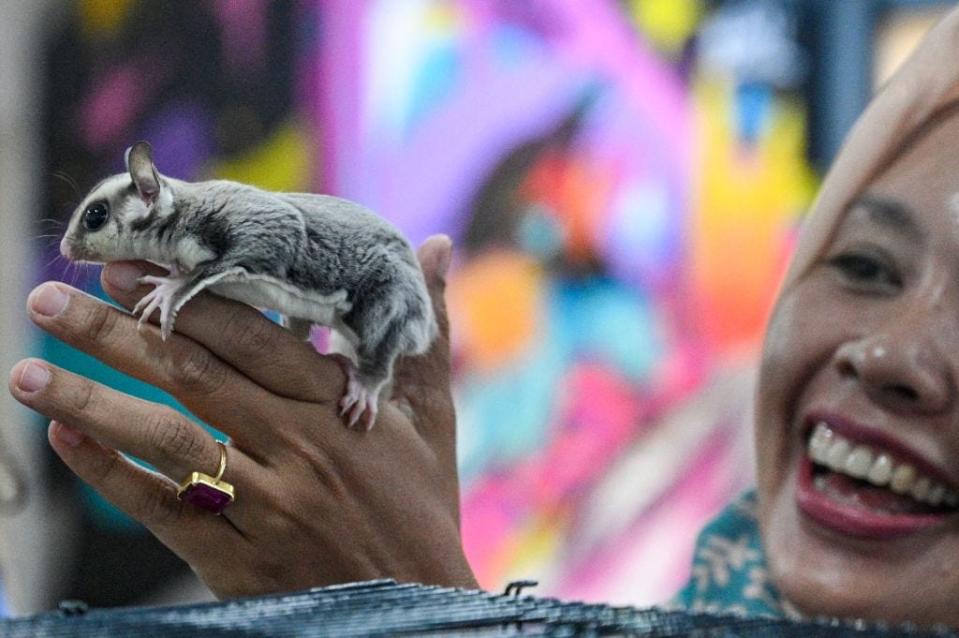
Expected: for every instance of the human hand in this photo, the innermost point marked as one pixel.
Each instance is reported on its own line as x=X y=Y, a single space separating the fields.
x=316 y=503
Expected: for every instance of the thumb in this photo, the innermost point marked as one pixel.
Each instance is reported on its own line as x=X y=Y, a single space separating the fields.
x=435 y=255
x=423 y=382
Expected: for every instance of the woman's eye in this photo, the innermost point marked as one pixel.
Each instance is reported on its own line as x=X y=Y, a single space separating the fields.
x=95 y=216
x=864 y=269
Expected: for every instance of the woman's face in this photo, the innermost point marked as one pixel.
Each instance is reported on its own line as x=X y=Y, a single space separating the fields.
x=859 y=372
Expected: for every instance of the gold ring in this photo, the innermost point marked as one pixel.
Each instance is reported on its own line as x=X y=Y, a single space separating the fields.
x=207 y=492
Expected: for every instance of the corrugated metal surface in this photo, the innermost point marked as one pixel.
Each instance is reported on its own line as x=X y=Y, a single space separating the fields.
x=385 y=608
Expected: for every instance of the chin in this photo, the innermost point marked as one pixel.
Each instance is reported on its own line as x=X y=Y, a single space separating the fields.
x=830 y=556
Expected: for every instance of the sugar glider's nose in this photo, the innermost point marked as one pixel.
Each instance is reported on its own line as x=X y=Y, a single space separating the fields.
x=65 y=248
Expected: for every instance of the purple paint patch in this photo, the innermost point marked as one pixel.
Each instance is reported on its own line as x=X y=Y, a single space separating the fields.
x=110 y=108
x=244 y=32
x=180 y=136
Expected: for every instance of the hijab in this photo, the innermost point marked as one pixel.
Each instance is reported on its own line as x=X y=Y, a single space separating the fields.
x=926 y=84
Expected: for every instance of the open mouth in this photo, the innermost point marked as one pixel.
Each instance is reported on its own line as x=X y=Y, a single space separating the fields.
x=866 y=489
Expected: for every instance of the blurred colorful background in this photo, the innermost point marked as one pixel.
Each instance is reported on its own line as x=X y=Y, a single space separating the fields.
x=623 y=181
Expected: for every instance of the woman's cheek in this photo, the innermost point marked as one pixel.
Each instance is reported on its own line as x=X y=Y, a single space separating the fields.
x=799 y=344
x=778 y=369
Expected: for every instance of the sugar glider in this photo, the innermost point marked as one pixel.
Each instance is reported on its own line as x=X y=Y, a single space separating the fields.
x=315 y=259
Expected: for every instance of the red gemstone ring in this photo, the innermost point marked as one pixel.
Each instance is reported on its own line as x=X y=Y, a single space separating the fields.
x=208 y=492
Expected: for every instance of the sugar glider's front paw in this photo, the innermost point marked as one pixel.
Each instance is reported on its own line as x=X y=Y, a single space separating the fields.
x=360 y=403
x=162 y=296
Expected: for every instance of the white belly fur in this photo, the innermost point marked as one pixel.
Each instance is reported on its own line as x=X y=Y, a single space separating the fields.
x=264 y=291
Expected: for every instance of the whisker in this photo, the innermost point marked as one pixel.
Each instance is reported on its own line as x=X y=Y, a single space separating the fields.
x=77 y=273
x=70 y=181
x=49 y=263
x=68 y=269
x=51 y=244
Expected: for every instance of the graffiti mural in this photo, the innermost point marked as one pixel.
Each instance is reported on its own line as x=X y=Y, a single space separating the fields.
x=622 y=192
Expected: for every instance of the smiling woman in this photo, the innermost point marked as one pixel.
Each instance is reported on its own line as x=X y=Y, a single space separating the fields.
x=857 y=419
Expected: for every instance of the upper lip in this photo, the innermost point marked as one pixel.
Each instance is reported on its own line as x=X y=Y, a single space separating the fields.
x=858 y=433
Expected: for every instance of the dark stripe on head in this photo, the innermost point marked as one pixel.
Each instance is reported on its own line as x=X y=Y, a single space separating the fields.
x=166 y=226
x=144 y=222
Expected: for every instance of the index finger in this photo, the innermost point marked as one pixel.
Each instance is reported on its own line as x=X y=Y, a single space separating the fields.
x=240 y=335
x=214 y=391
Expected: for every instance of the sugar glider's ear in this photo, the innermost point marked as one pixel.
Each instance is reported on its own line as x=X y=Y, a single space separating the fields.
x=139 y=161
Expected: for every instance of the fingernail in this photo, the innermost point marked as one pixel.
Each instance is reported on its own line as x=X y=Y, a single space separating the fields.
x=123 y=276
x=48 y=300
x=33 y=378
x=66 y=434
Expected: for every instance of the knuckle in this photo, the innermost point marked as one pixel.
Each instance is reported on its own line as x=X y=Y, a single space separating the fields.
x=81 y=396
x=256 y=336
x=174 y=435
x=100 y=321
x=150 y=509
x=145 y=506
x=105 y=470
x=195 y=368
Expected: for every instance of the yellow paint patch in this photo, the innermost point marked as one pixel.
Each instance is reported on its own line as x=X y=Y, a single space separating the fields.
x=442 y=18
x=99 y=17
x=536 y=545
x=747 y=201
x=667 y=23
x=281 y=163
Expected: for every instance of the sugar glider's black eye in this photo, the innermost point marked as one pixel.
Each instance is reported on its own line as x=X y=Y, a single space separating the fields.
x=95 y=216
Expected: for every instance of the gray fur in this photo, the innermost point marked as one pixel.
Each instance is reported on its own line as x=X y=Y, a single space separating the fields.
x=286 y=251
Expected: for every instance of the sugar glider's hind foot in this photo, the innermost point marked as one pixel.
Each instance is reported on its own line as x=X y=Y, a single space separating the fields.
x=360 y=402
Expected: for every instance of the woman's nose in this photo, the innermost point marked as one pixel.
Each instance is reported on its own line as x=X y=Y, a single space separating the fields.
x=901 y=370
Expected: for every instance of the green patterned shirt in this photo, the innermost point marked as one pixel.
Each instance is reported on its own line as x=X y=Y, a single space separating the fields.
x=729 y=572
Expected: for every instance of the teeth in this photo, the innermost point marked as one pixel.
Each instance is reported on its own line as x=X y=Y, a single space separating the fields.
x=836 y=456
x=819 y=443
x=881 y=470
x=902 y=479
x=935 y=494
x=859 y=462
x=862 y=462
x=920 y=489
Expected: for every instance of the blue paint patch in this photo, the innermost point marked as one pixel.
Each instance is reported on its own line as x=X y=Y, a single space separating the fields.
x=506 y=414
x=753 y=108
x=434 y=80
x=513 y=46
x=603 y=319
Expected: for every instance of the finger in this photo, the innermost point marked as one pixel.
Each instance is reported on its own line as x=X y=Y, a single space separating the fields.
x=240 y=335
x=212 y=390
x=157 y=434
x=423 y=382
x=145 y=496
x=161 y=436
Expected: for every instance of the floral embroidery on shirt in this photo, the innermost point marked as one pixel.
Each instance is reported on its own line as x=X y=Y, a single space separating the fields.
x=729 y=572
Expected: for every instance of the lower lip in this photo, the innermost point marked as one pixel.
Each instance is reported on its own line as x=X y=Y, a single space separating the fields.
x=854 y=521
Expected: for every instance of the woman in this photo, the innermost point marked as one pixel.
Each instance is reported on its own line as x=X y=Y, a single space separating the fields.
x=863 y=348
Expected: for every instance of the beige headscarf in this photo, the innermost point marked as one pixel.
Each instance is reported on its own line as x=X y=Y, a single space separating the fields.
x=927 y=83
